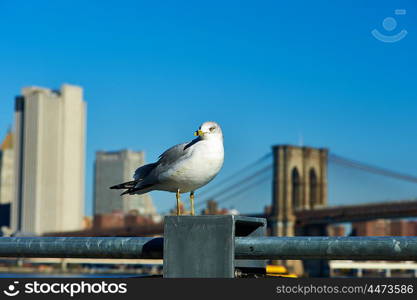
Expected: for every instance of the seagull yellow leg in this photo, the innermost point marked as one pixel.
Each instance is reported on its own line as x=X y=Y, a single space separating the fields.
x=192 y=202
x=178 y=202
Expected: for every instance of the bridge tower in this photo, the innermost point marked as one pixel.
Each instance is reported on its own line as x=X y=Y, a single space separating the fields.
x=299 y=183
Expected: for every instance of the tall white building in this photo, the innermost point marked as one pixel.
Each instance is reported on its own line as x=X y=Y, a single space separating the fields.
x=6 y=170
x=49 y=160
x=112 y=168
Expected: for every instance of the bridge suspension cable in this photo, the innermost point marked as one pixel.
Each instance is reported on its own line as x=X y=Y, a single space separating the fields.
x=236 y=174
x=371 y=169
x=244 y=189
x=231 y=188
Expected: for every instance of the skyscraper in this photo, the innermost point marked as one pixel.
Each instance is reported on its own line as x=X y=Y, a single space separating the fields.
x=6 y=169
x=112 y=168
x=49 y=160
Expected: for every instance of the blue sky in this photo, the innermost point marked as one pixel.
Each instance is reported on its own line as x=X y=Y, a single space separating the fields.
x=267 y=71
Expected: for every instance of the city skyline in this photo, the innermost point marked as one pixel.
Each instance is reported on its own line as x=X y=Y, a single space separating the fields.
x=153 y=73
x=49 y=165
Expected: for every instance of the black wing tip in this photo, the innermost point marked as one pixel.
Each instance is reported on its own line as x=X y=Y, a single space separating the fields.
x=124 y=185
x=116 y=187
x=132 y=191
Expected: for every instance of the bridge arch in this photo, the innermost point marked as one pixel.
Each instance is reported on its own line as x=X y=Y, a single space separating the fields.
x=296 y=189
x=313 y=189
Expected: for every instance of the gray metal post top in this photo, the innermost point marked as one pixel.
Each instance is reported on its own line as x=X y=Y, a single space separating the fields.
x=204 y=246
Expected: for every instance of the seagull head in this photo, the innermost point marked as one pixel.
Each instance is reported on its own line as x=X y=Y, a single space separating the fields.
x=209 y=130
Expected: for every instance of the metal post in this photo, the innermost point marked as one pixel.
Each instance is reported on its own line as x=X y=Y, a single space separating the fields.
x=64 y=265
x=204 y=246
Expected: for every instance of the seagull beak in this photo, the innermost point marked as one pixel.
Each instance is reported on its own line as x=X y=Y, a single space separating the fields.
x=199 y=133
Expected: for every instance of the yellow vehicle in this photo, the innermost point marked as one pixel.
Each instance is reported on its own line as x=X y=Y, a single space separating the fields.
x=278 y=271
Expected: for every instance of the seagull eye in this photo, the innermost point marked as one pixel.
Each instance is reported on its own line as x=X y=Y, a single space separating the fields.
x=212 y=129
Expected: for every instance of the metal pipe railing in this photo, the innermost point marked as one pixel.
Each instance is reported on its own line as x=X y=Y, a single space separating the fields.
x=305 y=247
x=355 y=248
x=82 y=247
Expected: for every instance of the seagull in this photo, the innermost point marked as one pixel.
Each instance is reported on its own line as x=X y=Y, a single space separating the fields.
x=182 y=168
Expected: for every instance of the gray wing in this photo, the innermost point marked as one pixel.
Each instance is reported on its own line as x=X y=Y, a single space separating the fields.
x=143 y=171
x=172 y=154
x=140 y=181
x=146 y=176
x=139 y=176
x=176 y=153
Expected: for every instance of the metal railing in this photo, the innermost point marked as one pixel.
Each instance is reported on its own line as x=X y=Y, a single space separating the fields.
x=306 y=247
x=193 y=245
x=354 y=248
x=82 y=247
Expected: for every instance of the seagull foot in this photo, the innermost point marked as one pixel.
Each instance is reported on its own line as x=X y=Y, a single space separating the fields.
x=178 y=203
x=192 y=203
